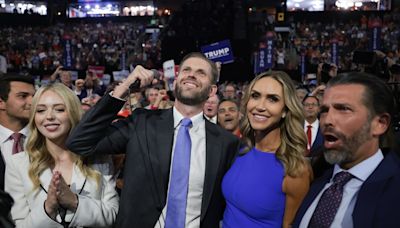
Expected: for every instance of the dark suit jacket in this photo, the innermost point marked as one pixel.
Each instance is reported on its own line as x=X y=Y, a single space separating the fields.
x=318 y=162
x=317 y=145
x=378 y=199
x=147 y=138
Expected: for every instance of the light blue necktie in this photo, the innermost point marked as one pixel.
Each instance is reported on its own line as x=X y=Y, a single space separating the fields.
x=178 y=187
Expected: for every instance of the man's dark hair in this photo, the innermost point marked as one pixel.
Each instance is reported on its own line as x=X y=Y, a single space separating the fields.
x=230 y=100
x=377 y=97
x=6 y=79
x=308 y=96
x=214 y=71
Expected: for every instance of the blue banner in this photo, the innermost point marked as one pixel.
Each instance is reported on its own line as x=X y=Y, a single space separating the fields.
x=375 y=39
x=303 y=64
x=67 y=55
x=259 y=61
x=334 y=52
x=219 y=51
x=269 y=55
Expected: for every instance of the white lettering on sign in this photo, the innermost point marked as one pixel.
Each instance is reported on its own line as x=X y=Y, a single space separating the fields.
x=217 y=53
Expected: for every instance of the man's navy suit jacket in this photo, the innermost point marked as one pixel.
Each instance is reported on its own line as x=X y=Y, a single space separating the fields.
x=378 y=199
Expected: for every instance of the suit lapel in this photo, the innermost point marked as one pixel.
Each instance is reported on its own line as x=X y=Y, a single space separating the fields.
x=317 y=142
x=45 y=179
x=315 y=189
x=160 y=132
x=77 y=180
x=213 y=157
x=364 y=209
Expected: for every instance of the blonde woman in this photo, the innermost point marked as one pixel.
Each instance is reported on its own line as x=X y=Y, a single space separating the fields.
x=268 y=181
x=51 y=186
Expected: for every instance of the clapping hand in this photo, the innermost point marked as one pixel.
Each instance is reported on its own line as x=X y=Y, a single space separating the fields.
x=51 y=204
x=65 y=197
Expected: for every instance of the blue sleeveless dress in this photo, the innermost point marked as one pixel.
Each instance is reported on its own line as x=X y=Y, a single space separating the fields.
x=253 y=191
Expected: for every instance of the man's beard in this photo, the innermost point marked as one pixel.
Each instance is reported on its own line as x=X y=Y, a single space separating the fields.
x=194 y=98
x=350 y=145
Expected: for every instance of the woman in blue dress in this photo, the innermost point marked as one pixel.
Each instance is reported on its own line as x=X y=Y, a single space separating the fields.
x=267 y=182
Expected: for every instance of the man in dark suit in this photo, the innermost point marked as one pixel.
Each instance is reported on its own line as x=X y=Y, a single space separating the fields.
x=16 y=92
x=311 y=125
x=148 y=138
x=362 y=188
x=315 y=139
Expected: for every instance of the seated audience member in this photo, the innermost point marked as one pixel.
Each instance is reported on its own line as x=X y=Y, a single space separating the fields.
x=65 y=77
x=151 y=95
x=16 y=92
x=315 y=138
x=229 y=91
x=79 y=87
x=210 y=109
x=301 y=93
x=266 y=184
x=229 y=116
x=311 y=125
x=51 y=186
x=362 y=189
x=92 y=85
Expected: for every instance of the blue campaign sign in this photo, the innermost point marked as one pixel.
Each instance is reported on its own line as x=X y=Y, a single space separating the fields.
x=334 y=52
x=68 y=60
x=219 y=52
x=375 y=35
x=259 y=61
x=269 y=55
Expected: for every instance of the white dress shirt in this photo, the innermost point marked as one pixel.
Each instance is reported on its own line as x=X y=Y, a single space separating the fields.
x=212 y=119
x=361 y=172
x=314 y=131
x=197 y=170
x=6 y=143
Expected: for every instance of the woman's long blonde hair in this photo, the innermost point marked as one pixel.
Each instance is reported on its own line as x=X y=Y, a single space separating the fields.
x=40 y=158
x=293 y=139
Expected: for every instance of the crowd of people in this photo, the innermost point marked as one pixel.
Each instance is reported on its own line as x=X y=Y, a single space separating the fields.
x=207 y=159
x=40 y=50
x=150 y=151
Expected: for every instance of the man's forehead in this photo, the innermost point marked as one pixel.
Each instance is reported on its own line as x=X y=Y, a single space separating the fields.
x=347 y=93
x=227 y=104
x=195 y=62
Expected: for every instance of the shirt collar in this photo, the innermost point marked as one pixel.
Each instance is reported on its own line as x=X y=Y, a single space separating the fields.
x=196 y=120
x=5 y=133
x=364 y=169
x=211 y=119
x=314 y=125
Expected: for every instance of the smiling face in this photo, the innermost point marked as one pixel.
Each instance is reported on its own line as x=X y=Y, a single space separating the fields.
x=228 y=115
x=193 y=85
x=347 y=126
x=266 y=105
x=18 y=104
x=51 y=117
